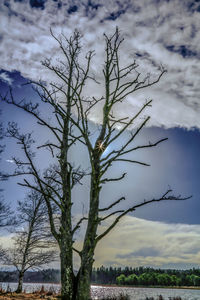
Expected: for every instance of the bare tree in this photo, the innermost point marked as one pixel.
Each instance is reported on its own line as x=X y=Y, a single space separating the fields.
x=5 y=220
x=5 y=211
x=33 y=243
x=4 y=208
x=70 y=126
x=5 y=214
x=1 y=136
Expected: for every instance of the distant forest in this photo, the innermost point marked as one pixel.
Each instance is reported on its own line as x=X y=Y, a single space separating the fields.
x=40 y=276
x=128 y=276
x=146 y=276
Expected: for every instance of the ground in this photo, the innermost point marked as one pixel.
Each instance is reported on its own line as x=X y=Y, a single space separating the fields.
x=35 y=296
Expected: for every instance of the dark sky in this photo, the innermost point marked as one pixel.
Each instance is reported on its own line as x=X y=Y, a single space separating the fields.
x=166 y=33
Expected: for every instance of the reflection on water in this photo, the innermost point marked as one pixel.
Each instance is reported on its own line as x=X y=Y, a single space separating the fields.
x=30 y=287
x=99 y=292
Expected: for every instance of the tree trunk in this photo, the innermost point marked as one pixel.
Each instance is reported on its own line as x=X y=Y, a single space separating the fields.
x=87 y=255
x=66 y=266
x=75 y=288
x=78 y=288
x=83 y=284
x=20 y=282
x=66 y=278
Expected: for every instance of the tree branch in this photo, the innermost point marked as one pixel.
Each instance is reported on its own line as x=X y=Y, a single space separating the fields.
x=113 y=204
x=164 y=197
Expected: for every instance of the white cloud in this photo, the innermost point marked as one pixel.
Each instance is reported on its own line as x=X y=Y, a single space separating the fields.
x=137 y=242
x=26 y=41
x=6 y=240
x=5 y=77
x=10 y=161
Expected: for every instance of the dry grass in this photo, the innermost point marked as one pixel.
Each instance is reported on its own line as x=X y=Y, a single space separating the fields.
x=37 y=295
x=23 y=296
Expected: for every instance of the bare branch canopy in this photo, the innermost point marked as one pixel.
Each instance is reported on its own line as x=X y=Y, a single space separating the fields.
x=70 y=127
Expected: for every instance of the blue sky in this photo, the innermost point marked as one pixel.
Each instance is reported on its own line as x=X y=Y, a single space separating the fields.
x=156 y=33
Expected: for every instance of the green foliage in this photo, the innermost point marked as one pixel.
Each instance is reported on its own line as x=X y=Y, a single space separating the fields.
x=121 y=279
x=131 y=280
x=146 y=277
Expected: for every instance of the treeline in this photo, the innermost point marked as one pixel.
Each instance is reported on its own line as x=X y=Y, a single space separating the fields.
x=128 y=276
x=146 y=276
x=41 y=276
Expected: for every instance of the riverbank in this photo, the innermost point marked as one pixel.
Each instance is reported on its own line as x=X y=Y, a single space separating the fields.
x=151 y=287
x=28 y=296
x=56 y=286
x=23 y=296
x=103 y=293
x=100 y=292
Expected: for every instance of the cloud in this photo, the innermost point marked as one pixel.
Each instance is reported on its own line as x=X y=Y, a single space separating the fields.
x=5 y=77
x=138 y=242
x=6 y=240
x=10 y=161
x=166 y=33
x=144 y=252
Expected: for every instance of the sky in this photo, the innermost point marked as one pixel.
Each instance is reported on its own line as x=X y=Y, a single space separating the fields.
x=156 y=33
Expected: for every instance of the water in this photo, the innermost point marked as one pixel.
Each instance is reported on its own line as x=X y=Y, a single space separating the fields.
x=98 y=292
x=30 y=287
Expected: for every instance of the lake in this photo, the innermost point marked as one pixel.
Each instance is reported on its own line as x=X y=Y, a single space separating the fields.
x=99 y=292
x=142 y=293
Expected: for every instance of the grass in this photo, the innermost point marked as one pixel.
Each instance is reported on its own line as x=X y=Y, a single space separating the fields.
x=161 y=298
x=119 y=297
x=126 y=297
x=36 y=295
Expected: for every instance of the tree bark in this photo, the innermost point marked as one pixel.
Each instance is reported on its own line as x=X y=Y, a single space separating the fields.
x=87 y=254
x=83 y=284
x=66 y=258
x=66 y=275
x=20 y=282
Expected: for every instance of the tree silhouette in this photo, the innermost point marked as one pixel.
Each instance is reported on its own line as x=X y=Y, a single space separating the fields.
x=70 y=127
x=33 y=241
x=5 y=211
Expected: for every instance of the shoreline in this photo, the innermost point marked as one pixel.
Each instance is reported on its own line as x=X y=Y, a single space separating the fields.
x=53 y=295
x=151 y=287
x=112 y=285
